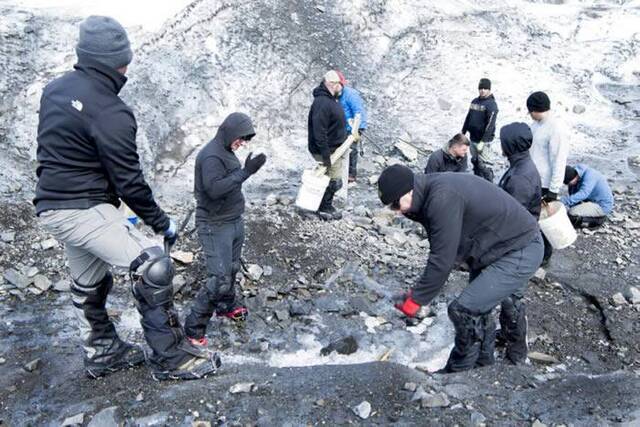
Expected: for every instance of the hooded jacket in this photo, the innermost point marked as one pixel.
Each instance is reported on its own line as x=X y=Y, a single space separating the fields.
x=593 y=187
x=327 y=124
x=353 y=104
x=218 y=173
x=481 y=119
x=521 y=180
x=442 y=161
x=468 y=220
x=87 y=146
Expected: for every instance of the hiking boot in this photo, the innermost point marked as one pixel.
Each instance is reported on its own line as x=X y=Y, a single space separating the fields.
x=200 y=363
x=329 y=213
x=125 y=356
x=234 y=312
x=199 y=342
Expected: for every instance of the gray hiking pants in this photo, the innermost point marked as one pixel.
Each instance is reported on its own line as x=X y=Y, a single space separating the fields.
x=587 y=209
x=507 y=276
x=95 y=239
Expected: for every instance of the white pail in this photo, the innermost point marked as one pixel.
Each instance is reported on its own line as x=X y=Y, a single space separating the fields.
x=556 y=226
x=312 y=189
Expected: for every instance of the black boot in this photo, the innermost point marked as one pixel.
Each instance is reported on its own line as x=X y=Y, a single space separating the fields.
x=548 y=251
x=105 y=352
x=513 y=322
x=172 y=356
x=586 y=221
x=488 y=346
x=468 y=340
x=326 y=210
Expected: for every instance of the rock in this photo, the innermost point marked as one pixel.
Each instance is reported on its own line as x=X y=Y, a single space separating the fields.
x=271 y=200
x=16 y=279
x=361 y=210
x=254 y=272
x=631 y=225
x=32 y=366
x=199 y=423
x=438 y=400
x=538 y=423
x=62 y=286
x=320 y=8
x=3 y=360
x=282 y=315
x=419 y=394
x=158 y=419
x=8 y=237
x=299 y=308
x=632 y=294
x=42 y=282
x=105 y=418
x=542 y=357
x=477 y=418
x=49 y=244
x=178 y=283
x=408 y=151
x=444 y=104
x=140 y=397
x=267 y=271
x=410 y=387
x=242 y=388
x=346 y=345
x=31 y=271
x=540 y=273
x=373 y=179
x=363 y=410
x=579 y=109
x=74 y=421
x=183 y=257
x=618 y=299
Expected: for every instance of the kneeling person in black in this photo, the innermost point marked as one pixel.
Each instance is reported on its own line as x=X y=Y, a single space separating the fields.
x=451 y=158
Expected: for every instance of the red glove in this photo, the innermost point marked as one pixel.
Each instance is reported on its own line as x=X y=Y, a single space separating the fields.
x=407 y=305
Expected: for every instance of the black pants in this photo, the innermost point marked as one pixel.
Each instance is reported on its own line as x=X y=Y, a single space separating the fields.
x=548 y=249
x=222 y=247
x=353 y=156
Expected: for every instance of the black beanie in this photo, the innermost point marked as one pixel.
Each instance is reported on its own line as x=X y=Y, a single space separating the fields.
x=569 y=174
x=394 y=182
x=484 y=84
x=538 y=102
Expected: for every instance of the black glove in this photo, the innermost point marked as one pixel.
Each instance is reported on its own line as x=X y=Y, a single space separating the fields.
x=252 y=165
x=549 y=197
x=326 y=160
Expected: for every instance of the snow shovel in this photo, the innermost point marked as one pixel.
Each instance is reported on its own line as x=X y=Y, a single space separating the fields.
x=315 y=181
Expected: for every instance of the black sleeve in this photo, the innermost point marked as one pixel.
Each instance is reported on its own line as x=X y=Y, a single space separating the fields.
x=445 y=215
x=465 y=125
x=320 y=119
x=217 y=183
x=520 y=190
x=433 y=164
x=115 y=137
x=491 y=115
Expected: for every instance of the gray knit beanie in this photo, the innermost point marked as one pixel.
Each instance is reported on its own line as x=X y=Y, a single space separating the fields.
x=103 y=39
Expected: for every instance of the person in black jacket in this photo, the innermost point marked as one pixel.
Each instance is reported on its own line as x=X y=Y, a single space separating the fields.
x=326 y=132
x=481 y=125
x=220 y=205
x=87 y=163
x=451 y=158
x=522 y=179
x=474 y=224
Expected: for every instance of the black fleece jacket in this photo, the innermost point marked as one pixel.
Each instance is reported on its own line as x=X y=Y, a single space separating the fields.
x=468 y=220
x=326 y=124
x=441 y=161
x=481 y=119
x=87 y=146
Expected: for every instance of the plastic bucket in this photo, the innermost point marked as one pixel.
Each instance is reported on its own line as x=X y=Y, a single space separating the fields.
x=556 y=226
x=312 y=190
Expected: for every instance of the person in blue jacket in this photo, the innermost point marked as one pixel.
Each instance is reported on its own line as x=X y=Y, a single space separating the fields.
x=352 y=104
x=590 y=199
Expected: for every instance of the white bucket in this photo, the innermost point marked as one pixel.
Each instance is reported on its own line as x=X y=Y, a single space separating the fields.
x=312 y=189
x=556 y=226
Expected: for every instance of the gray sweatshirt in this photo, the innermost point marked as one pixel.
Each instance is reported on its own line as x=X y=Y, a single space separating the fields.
x=549 y=152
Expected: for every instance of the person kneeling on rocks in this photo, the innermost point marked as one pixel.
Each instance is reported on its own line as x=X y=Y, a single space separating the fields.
x=220 y=205
x=474 y=224
x=451 y=158
x=87 y=163
x=590 y=199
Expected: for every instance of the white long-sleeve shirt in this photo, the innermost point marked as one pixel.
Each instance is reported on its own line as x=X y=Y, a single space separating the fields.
x=549 y=152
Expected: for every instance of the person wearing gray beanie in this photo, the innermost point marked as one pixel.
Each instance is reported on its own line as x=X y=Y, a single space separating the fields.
x=103 y=39
x=88 y=165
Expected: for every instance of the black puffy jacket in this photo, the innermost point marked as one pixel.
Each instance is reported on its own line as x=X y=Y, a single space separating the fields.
x=87 y=146
x=326 y=124
x=481 y=119
x=522 y=179
x=442 y=161
x=468 y=220
x=218 y=173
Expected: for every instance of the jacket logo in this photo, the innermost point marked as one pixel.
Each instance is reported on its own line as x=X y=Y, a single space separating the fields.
x=477 y=107
x=76 y=104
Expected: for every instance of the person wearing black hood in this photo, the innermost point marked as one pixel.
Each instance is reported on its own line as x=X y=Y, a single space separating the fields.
x=326 y=132
x=522 y=179
x=220 y=205
x=87 y=164
x=472 y=223
x=480 y=122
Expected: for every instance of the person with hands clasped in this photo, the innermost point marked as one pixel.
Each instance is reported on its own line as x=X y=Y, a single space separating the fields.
x=220 y=205
x=471 y=224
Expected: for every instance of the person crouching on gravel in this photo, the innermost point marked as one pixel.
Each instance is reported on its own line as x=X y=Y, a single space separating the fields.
x=590 y=199
x=220 y=205
x=453 y=157
x=474 y=224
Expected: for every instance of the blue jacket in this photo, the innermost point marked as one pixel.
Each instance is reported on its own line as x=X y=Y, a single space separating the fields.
x=592 y=187
x=353 y=104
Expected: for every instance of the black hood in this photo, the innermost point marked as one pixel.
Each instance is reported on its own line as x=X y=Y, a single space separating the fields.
x=321 y=90
x=235 y=126
x=515 y=138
